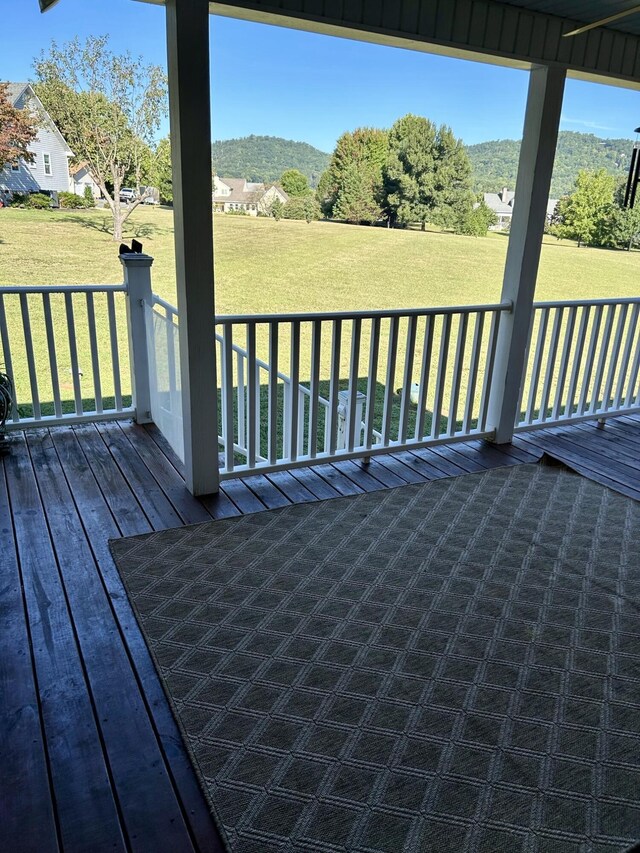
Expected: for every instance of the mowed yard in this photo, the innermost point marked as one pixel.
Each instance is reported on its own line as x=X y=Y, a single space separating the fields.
x=267 y=266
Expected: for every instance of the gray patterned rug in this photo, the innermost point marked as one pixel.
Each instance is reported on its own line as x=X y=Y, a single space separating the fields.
x=452 y=666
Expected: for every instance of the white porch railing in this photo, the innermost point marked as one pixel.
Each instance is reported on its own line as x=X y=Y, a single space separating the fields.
x=162 y=333
x=302 y=387
x=583 y=362
x=294 y=389
x=62 y=347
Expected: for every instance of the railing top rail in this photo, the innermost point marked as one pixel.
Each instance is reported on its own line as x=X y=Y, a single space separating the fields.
x=158 y=300
x=229 y=319
x=579 y=303
x=63 y=288
x=302 y=317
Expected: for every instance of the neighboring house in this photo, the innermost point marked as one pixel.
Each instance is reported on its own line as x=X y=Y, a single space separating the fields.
x=502 y=205
x=80 y=178
x=49 y=171
x=239 y=194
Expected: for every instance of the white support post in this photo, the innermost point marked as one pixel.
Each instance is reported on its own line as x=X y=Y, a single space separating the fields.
x=541 y=124
x=137 y=278
x=189 y=110
x=344 y=413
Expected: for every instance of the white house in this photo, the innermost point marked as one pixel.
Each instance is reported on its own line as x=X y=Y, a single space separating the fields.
x=502 y=205
x=80 y=178
x=49 y=171
x=238 y=194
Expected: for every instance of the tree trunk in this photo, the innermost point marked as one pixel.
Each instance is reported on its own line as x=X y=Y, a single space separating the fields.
x=423 y=225
x=117 y=213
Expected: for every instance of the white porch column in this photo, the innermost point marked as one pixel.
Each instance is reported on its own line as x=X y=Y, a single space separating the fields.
x=541 y=123
x=189 y=110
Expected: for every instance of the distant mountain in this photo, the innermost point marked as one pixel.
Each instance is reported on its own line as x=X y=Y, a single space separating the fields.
x=495 y=164
x=265 y=158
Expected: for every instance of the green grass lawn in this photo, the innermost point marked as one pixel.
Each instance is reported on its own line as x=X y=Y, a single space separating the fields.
x=267 y=266
x=264 y=266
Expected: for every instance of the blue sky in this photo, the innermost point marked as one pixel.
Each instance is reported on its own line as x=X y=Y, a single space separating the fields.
x=303 y=86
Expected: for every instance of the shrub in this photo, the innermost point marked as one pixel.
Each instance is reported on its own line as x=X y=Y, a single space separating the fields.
x=89 y=200
x=237 y=213
x=302 y=207
x=476 y=222
x=71 y=201
x=276 y=209
x=38 y=201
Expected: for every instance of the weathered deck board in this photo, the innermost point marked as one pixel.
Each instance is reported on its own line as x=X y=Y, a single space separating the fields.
x=85 y=804
x=150 y=817
x=589 y=453
x=79 y=695
x=100 y=525
x=25 y=785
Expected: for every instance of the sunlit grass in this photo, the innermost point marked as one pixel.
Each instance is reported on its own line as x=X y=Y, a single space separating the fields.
x=263 y=266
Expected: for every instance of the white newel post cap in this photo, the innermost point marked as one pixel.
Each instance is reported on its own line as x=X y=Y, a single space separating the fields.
x=135 y=259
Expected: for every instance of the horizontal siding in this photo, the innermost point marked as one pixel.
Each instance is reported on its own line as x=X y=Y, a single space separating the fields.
x=479 y=26
x=49 y=143
x=32 y=177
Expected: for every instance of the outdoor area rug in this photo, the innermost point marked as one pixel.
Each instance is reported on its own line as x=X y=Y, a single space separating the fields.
x=453 y=666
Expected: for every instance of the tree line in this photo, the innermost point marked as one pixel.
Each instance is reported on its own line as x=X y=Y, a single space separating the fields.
x=109 y=106
x=415 y=173
x=593 y=214
x=263 y=159
x=495 y=163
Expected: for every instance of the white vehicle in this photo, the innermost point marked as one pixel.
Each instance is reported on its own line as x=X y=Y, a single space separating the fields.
x=127 y=194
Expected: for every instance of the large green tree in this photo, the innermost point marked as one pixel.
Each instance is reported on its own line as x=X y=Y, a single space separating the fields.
x=18 y=129
x=294 y=183
x=355 y=199
x=454 y=200
x=352 y=188
x=109 y=107
x=410 y=171
x=618 y=226
x=579 y=216
x=428 y=174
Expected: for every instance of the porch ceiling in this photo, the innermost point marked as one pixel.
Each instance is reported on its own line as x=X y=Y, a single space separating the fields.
x=585 y=11
x=517 y=33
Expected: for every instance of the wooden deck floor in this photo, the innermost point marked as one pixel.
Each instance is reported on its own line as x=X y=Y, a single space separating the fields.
x=91 y=756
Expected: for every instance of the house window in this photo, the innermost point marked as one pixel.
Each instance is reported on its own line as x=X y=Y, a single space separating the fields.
x=15 y=167
x=46 y=160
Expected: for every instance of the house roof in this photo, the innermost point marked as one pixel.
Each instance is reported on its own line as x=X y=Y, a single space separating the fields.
x=494 y=201
x=502 y=203
x=15 y=92
x=75 y=169
x=242 y=191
